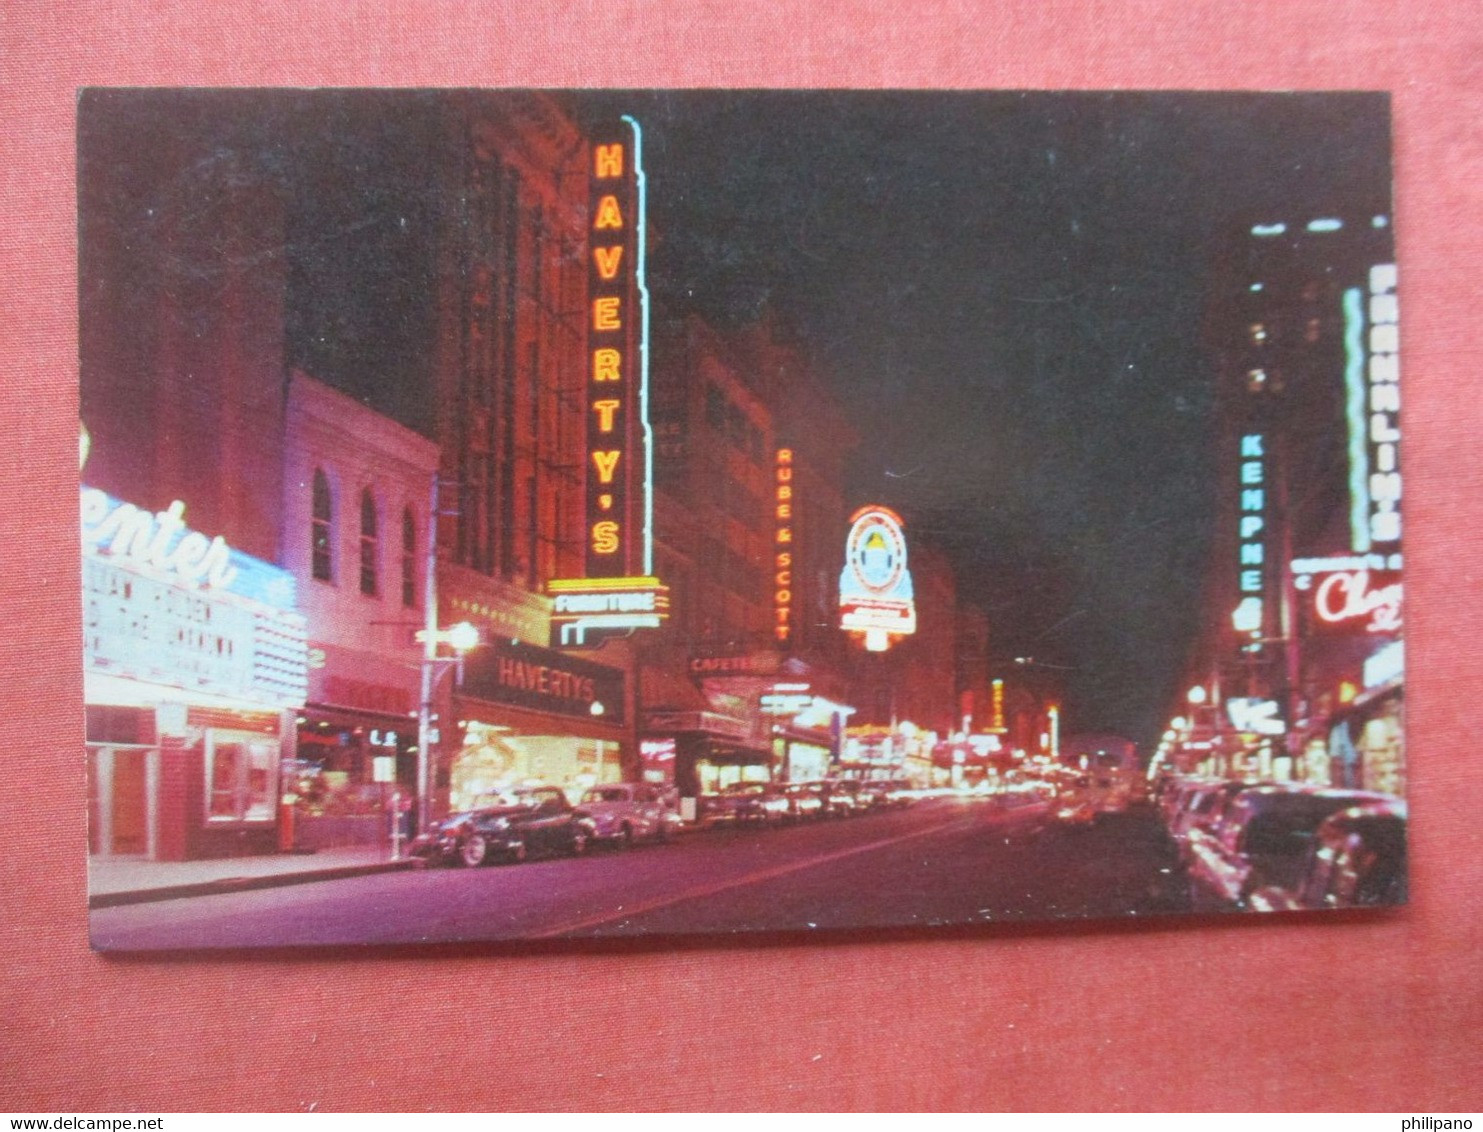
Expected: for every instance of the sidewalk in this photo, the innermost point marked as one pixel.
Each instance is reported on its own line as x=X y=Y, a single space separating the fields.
x=124 y=880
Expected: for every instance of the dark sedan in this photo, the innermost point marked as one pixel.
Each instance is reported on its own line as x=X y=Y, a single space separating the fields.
x=1358 y=860
x=1263 y=840
x=509 y=827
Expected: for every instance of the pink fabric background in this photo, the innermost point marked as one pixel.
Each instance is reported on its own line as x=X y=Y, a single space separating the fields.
x=1369 y=1013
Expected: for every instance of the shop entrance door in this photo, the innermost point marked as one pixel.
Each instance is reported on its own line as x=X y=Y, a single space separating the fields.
x=120 y=783
x=130 y=803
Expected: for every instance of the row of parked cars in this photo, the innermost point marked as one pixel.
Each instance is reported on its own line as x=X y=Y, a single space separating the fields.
x=772 y=803
x=1265 y=846
x=509 y=827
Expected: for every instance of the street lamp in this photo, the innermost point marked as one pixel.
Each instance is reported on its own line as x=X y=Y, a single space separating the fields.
x=460 y=638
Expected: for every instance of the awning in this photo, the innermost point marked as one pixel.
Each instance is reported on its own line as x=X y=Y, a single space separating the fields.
x=665 y=689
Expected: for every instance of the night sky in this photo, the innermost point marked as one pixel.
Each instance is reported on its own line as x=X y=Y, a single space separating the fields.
x=1005 y=290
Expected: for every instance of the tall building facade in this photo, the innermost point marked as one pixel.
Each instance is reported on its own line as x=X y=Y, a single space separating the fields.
x=1305 y=675
x=533 y=374
x=195 y=658
x=207 y=274
x=355 y=531
x=750 y=521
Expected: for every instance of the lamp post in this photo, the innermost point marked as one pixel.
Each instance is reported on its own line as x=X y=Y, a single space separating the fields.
x=461 y=638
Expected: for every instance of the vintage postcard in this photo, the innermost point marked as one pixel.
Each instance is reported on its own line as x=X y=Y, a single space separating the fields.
x=533 y=515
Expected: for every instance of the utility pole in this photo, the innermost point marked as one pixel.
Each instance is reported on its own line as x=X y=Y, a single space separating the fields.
x=429 y=665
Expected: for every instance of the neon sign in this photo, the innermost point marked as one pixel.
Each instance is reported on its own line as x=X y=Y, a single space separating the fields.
x=584 y=605
x=1385 y=406
x=166 y=605
x=1372 y=376
x=619 y=517
x=609 y=399
x=875 y=590
x=1251 y=526
x=618 y=537
x=1254 y=716
x=159 y=541
x=782 y=578
x=1349 y=596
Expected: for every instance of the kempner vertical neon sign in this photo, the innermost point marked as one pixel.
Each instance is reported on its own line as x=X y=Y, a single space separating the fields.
x=1251 y=530
x=619 y=510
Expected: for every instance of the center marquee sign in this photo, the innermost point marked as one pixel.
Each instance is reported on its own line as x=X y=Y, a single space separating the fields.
x=167 y=605
x=875 y=590
x=619 y=591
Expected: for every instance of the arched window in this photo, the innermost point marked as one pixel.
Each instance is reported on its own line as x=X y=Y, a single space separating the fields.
x=368 y=543
x=321 y=540
x=409 y=559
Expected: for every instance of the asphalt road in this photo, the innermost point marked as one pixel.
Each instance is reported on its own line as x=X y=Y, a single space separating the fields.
x=941 y=861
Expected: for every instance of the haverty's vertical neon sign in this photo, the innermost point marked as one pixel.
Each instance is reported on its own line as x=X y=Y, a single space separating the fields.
x=619 y=536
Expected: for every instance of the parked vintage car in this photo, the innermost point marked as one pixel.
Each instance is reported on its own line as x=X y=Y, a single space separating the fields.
x=899 y=792
x=1358 y=860
x=1263 y=840
x=840 y=801
x=805 y=800
x=1203 y=807
x=508 y=827
x=623 y=813
x=760 y=802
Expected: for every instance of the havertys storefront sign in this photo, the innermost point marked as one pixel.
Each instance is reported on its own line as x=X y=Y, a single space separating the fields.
x=527 y=676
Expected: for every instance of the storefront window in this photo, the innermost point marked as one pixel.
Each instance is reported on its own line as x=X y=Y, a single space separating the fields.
x=496 y=760
x=239 y=777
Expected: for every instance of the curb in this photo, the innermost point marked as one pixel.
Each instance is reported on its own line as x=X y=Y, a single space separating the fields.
x=245 y=884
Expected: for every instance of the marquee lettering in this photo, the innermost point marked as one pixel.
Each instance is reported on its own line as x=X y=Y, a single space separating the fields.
x=1384 y=431
x=605 y=364
x=608 y=160
x=159 y=541
x=609 y=215
x=605 y=313
x=605 y=462
x=605 y=411
x=605 y=537
x=607 y=260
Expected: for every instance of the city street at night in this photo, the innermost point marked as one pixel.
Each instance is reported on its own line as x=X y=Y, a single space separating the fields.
x=874 y=509
x=940 y=861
